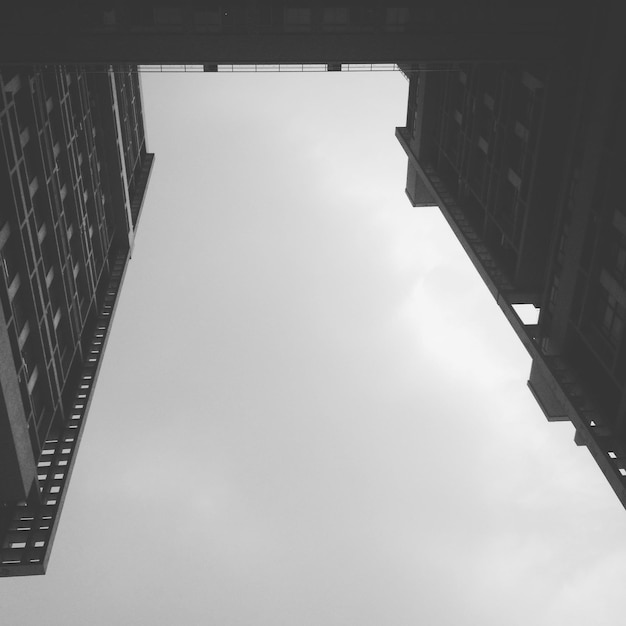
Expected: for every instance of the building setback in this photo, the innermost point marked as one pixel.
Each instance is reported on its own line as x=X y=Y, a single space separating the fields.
x=73 y=174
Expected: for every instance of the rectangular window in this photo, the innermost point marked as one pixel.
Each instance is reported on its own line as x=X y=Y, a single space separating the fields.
x=33 y=379
x=11 y=257
x=397 y=19
x=20 y=310
x=615 y=260
x=610 y=312
x=57 y=318
x=297 y=19
x=108 y=17
x=335 y=18
x=612 y=316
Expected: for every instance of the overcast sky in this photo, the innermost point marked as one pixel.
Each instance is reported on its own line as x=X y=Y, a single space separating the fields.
x=311 y=412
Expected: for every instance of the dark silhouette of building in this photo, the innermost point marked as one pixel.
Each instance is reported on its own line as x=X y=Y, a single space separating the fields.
x=73 y=174
x=526 y=162
x=514 y=129
x=289 y=31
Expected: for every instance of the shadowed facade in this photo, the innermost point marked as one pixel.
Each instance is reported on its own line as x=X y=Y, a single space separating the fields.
x=296 y=31
x=73 y=174
x=525 y=162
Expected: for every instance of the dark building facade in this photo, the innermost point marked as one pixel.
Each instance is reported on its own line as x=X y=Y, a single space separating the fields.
x=525 y=163
x=73 y=174
x=287 y=31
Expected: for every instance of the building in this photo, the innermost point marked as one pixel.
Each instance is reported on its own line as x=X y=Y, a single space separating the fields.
x=513 y=129
x=213 y=32
x=525 y=162
x=73 y=174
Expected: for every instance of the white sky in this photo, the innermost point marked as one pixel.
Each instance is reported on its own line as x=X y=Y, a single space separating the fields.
x=311 y=412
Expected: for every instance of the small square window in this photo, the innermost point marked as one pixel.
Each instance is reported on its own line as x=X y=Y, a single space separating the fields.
x=397 y=19
x=335 y=18
x=297 y=19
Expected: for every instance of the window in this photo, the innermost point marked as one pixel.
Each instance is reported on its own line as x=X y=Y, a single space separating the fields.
x=11 y=256
x=57 y=317
x=33 y=379
x=507 y=208
x=397 y=19
x=610 y=310
x=611 y=316
x=297 y=19
x=268 y=16
x=531 y=82
x=108 y=17
x=554 y=292
x=477 y=171
x=515 y=153
x=616 y=256
x=335 y=18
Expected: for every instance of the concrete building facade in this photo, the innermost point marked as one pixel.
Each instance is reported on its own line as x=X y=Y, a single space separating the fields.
x=73 y=174
x=287 y=31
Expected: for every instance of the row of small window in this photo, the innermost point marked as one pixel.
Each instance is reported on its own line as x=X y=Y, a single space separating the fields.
x=603 y=313
x=26 y=183
x=522 y=96
x=21 y=306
